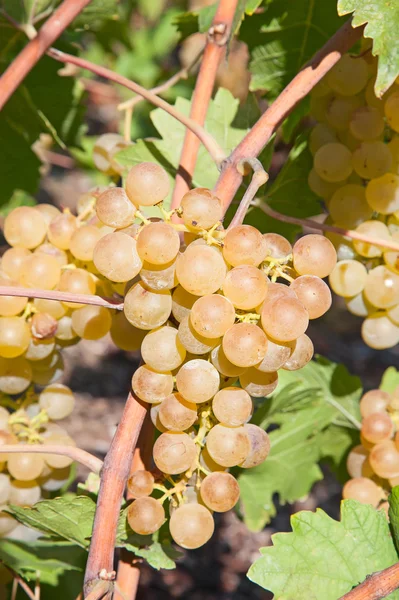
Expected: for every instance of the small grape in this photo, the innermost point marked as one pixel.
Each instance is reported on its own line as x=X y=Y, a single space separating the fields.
x=348 y=205
x=382 y=287
x=260 y=446
x=244 y=344
x=58 y=400
x=158 y=243
x=61 y=230
x=24 y=227
x=363 y=490
x=65 y=332
x=15 y=375
x=349 y=76
x=228 y=446
x=201 y=270
x=182 y=303
x=257 y=383
x=212 y=315
x=15 y=336
x=24 y=493
x=162 y=349
x=232 y=406
x=52 y=307
x=314 y=255
x=277 y=354
x=83 y=242
x=91 y=322
x=339 y=112
x=382 y=193
x=322 y=188
x=13 y=260
x=372 y=160
x=320 y=135
x=57 y=461
x=191 y=526
x=220 y=491
x=147 y=184
x=176 y=413
x=356 y=460
x=223 y=365
x=332 y=162
x=201 y=209
x=192 y=341
x=140 y=484
x=245 y=286
x=303 y=353
x=151 y=386
x=314 y=294
x=114 y=208
x=174 y=453
x=348 y=278
x=284 y=319
x=116 y=257
x=377 y=428
x=384 y=459
x=374 y=401
x=76 y=281
x=379 y=332
x=25 y=467
x=197 y=381
x=41 y=271
x=366 y=123
x=124 y=335
x=10 y=306
x=146 y=309
x=244 y=245
x=277 y=246
x=358 y=305
x=145 y=515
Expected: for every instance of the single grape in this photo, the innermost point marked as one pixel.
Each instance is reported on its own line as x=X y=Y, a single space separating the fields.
x=83 y=242
x=382 y=287
x=192 y=341
x=182 y=302
x=379 y=332
x=303 y=353
x=24 y=493
x=10 y=306
x=114 y=208
x=145 y=515
x=49 y=370
x=391 y=109
x=382 y=193
x=284 y=319
x=43 y=326
x=244 y=245
x=116 y=257
x=245 y=286
x=174 y=453
x=197 y=381
x=65 y=332
x=12 y=262
x=176 y=413
x=220 y=491
x=147 y=184
x=191 y=526
x=372 y=160
x=332 y=162
x=314 y=294
x=348 y=76
x=151 y=386
x=314 y=254
x=245 y=344
x=15 y=336
x=391 y=257
x=348 y=205
x=76 y=281
x=257 y=383
x=91 y=322
x=41 y=271
x=222 y=363
x=366 y=123
x=384 y=459
x=57 y=400
x=61 y=230
x=52 y=307
x=228 y=446
x=201 y=209
x=158 y=243
x=25 y=467
x=124 y=335
x=277 y=246
x=377 y=428
x=363 y=490
x=201 y=270
x=24 y=227
x=162 y=349
x=348 y=278
x=374 y=401
x=358 y=305
x=15 y=375
x=356 y=460
x=57 y=461
x=277 y=354
x=321 y=135
x=212 y=315
x=145 y=308
x=140 y=484
x=232 y=406
x=260 y=446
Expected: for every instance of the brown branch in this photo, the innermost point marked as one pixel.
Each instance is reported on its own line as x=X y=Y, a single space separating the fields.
x=85 y=458
x=218 y=36
x=259 y=178
x=376 y=586
x=101 y=589
x=127 y=580
x=113 y=481
x=34 y=50
x=206 y=138
x=257 y=138
x=350 y=233
x=6 y=290
x=21 y=582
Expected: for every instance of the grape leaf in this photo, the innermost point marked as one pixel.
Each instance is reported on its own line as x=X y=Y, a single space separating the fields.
x=390 y=380
x=289 y=194
x=67 y=518
x=322 y=558
x=283 y=37
x=382 y=20
x=305 y=404
x=43 y=558
x=393 y=500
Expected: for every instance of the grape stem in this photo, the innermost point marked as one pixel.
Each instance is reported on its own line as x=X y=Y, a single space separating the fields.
x=376 y=586
x=85 y=458
x=349 y=233
x=21 y=582
x=256 y=139
x=218 y=37
x=34 y=50
x=259 y=178
x=6 y=290
x=101 y=589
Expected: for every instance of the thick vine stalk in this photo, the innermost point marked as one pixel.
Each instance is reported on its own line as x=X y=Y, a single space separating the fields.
x=257 y=138
x=376 y=586
x=34 y=50
x=218 y=37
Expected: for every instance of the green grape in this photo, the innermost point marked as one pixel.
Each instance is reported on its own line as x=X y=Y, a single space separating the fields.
x=277 y=354
x=372 y=160
x=349 y=76
x=332 y=162
x=348 y=205
x=200 y=270
x=391 y=109
x=223 y=365
x=76 y=281
x=124 y=335
x=13 y=260
x=284 y=319
x=10 y=306
x=57 y=461
x=320 y=135
x=320 y=187
x=192 y=341
x=48 y=211
x=373 y=229
x=382 y=193
x=182 y=303
x=159 y=277
x=197 y=381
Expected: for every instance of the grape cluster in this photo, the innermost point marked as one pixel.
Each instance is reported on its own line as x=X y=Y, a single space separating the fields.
x=374 y=464
x=25 y=478
x=209 y=309
x=355 y=147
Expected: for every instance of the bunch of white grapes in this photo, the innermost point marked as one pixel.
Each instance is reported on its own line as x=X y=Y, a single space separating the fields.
x=26 y=478
x=374 y=464
x=215 y=313
x=355 y=146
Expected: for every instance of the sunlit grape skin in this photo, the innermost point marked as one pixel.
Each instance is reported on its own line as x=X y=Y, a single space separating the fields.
x=145 y=515
x=174 y=453
x=244 y=344
x=158 y=243
x=191 y=526
x=212 y=315
x=246 y=287
x=244 y=245
x=232 y=406
x=284 y=319
x=147 y=184
x=201 y=209
x=228 y=446
x=200 y=270
x=162 y=349
x=197 y=381
x=116 y=257
x=377 y=427
x=313 y=293
x=24 y=227
x=363 y=490
x=374 y=401
x=259 y=446
x=140 y=484
x=146 y=309
x=220 y=491
x=151 y=386
x=314 y=255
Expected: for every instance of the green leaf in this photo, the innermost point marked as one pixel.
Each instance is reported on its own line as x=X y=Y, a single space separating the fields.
x=393 y=512
x=96 y=12
x=19 y=198
x=390 y=380
x=67 y=518
x=382 y=20
x=289 y=194
x=305 y=405
x=46 y=559
x=323 y=559
x=284 y=37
